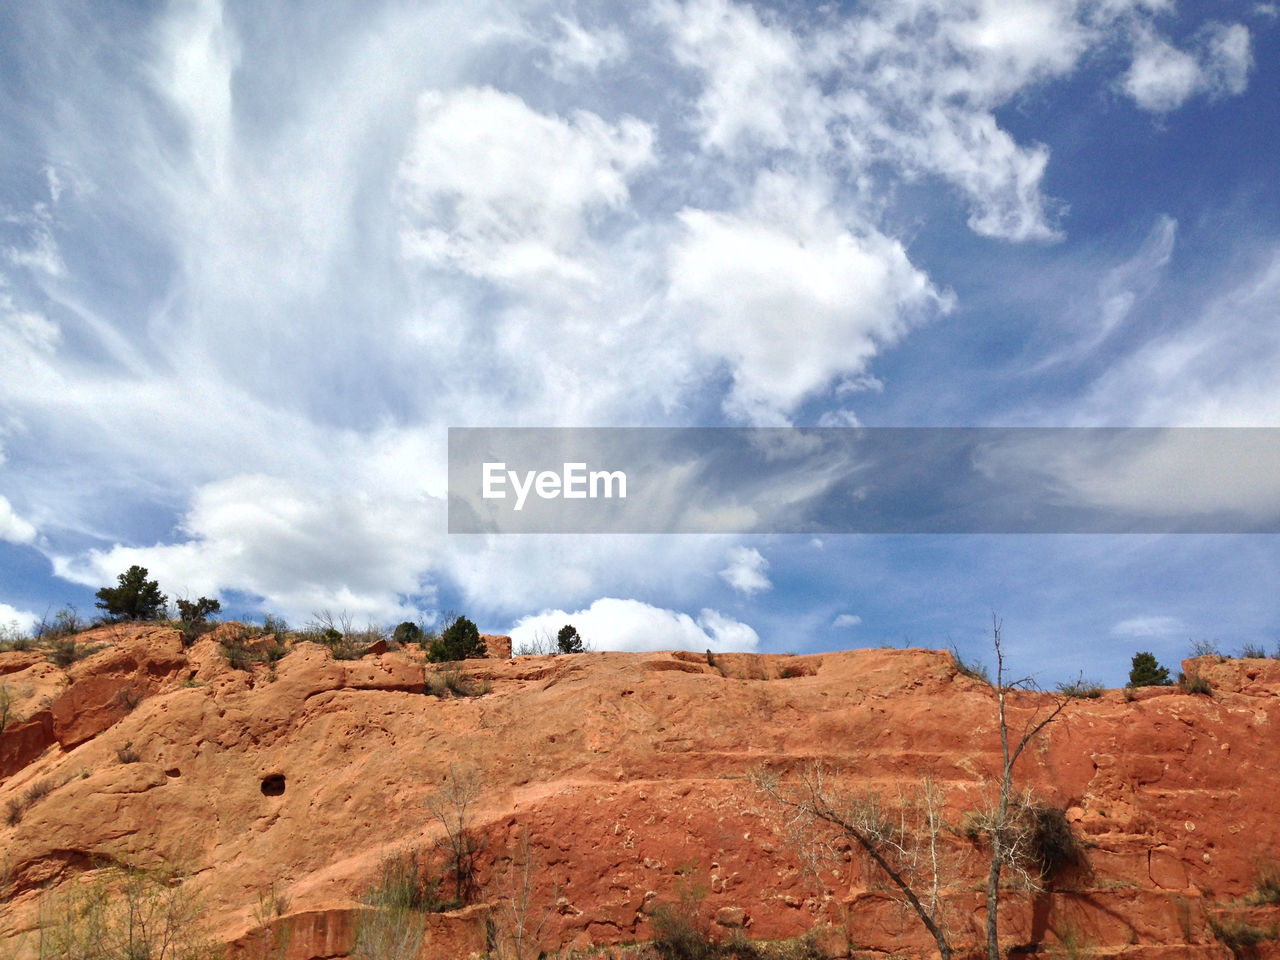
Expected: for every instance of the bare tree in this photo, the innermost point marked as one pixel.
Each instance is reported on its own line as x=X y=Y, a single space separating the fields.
x=899 y=838
x=454 y=807
x=539 y=645
x=123 y=914
x=274 y=930
x=1008 y=828
x=521 y=916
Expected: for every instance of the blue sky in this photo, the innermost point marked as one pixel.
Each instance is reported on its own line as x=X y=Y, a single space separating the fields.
x=255 y=259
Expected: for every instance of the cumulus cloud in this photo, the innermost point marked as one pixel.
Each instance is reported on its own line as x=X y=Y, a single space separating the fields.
x=856 y=293
x=892 y=85
x=613 y=624
x=846 y=620
x=23 y=620
x=747 y=572
x=1162 y=77
x=301 y=548
x=12 y=527
x=498 y=190
x=755 y=90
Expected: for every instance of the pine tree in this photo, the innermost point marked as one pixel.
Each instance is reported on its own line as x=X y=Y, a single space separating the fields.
x=460 y=640
x=135 y=598
x=1147 y=672
x=568 y=639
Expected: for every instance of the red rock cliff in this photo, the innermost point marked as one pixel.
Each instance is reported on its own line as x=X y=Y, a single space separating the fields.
x=624 y=770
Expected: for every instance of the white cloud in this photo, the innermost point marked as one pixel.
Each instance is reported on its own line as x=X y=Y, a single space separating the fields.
x=613 y=624
x=1228 y=58
x=1219 y=368
x=500 y=191
x=292 y=273
x=747 y=571
x=1121 y=290
x=1149 y=626
x=23 y=619
x=1162 y=77
x=1005 y=45
x=12 y=527
x=756 y=92
x=199 y=57
x=576 y=48
x=41 y=255
x=846 y=620
x=301 y=548
x=749 y=278
x=899 y=85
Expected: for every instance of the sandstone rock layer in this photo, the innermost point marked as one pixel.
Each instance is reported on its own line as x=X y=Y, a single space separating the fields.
x=630 y=776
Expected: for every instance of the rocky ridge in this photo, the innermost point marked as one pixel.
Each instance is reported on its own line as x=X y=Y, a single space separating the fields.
x=628 y=773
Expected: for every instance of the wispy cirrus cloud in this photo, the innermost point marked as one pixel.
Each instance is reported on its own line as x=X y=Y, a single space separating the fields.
x=1152 y=626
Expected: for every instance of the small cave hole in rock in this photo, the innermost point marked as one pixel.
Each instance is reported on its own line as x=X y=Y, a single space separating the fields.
x=273 y=785
x=173 y=772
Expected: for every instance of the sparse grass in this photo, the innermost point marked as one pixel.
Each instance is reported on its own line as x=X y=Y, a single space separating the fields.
x=1266 y=883
x=434 y=685
x=128 y=753
x=127 y=698
x=682 y=934
x=1082 y=689
x=1194 y=683
x=450 y=680
x=1072 y=944
x=13 y=637
x=276 y=625
x=974 y=670
x=1239 y=936
x=1253 y=651
x=241 y=657
x=972 y=824
x=64 y=651
x=341 y=637
x=65 y=623
x=38 y=791
x=8 y=714
x=17 y=807
x=193 y=630
x=406 y=888
x=456 y=681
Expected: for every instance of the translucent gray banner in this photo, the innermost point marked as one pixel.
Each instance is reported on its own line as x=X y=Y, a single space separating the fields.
x=864 y=480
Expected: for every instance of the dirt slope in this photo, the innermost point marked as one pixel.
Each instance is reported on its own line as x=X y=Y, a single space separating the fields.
x=624 y=769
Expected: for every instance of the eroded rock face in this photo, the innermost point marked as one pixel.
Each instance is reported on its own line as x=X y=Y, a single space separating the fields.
x=627 y=779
